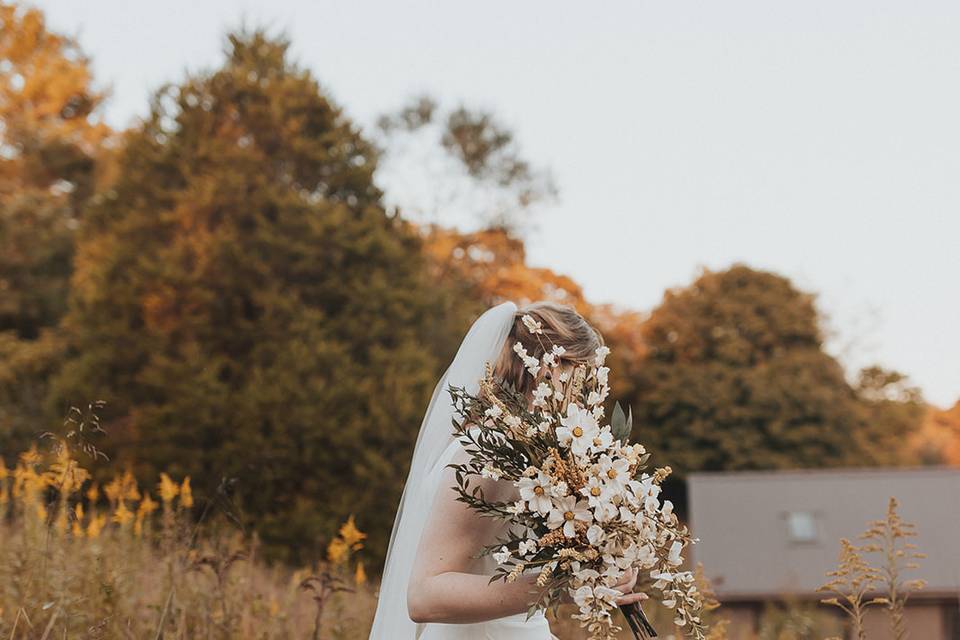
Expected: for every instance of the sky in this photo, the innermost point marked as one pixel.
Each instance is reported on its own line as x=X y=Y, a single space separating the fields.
x=816 y=139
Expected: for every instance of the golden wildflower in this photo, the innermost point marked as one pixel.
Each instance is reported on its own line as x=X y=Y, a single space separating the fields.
x=360 y=575
x=129 y=488
x=186 y=494
x=337 y=550
x=93 y=493
x=148 y=505
x=167 y=488
x=113 y=490
x=96 y=525
x=122 y=515
x=352 y=536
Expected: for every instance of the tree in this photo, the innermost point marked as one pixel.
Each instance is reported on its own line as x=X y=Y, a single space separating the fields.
x=247 y=308
x=460 y=168
x=50 y=137
x=938 y=439
x=895 y=410
x=736 y=378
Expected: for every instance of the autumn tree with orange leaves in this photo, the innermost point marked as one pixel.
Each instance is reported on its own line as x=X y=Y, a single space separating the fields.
x=50 y=138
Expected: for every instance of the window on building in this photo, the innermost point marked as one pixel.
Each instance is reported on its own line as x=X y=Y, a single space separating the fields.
x=802 y=526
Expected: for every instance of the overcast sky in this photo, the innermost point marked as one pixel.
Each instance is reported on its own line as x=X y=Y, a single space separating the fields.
x=820 y=140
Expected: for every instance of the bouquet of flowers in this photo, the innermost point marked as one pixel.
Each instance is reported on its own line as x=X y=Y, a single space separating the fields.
x=588 y=511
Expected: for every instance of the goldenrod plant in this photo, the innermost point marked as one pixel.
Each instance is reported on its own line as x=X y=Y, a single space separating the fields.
x=859 y=584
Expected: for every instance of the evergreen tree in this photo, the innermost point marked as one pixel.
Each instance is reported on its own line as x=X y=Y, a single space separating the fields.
x=247 y=308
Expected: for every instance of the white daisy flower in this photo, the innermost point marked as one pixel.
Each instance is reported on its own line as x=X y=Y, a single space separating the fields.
x=596 y=492
x=615 y=472
x=602 y=441
x=578 y=430
x=536 y=492
x=565 y=512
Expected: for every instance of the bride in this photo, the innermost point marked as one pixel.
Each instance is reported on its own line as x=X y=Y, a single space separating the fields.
x=434 y=587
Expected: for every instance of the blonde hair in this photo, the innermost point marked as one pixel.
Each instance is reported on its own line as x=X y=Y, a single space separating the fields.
x=562 y=326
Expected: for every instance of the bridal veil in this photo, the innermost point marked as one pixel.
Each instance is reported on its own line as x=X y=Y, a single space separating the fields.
x=483 y=343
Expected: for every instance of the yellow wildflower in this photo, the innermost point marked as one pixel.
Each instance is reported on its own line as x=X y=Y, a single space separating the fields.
x=130 y=489
x=352 y=536
x=122 y=515
x=337 y=550
x=148 y=505
x=113 y=490
x=167 y=488
x=186 y=494
x=93 y=493
x=96 y=525
x=360 y=576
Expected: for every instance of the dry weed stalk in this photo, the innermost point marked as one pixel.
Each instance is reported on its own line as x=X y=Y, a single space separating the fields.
x=855 y=580
x=890 y=537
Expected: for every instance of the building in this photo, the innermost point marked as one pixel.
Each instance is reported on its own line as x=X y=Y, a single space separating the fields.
x=772 y=536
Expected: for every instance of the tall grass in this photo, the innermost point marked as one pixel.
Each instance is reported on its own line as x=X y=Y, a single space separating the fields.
x=78 y=560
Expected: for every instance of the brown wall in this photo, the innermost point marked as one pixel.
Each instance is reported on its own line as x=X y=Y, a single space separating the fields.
x=924 y=621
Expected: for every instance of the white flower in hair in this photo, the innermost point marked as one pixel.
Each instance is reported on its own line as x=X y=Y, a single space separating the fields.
x=531 y=323
x=531 y=363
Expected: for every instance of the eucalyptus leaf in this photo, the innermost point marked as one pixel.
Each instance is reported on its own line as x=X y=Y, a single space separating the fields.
x=618 y=424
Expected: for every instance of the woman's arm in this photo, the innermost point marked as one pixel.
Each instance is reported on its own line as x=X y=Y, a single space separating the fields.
x=440 y=588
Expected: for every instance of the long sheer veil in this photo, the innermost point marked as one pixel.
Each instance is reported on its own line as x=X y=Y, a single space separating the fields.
x=483 y=343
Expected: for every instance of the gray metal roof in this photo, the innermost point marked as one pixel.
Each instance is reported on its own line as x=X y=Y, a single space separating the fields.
x=769 y=534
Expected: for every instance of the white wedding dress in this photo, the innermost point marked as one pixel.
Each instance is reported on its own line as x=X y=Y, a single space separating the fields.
x=435 y=448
